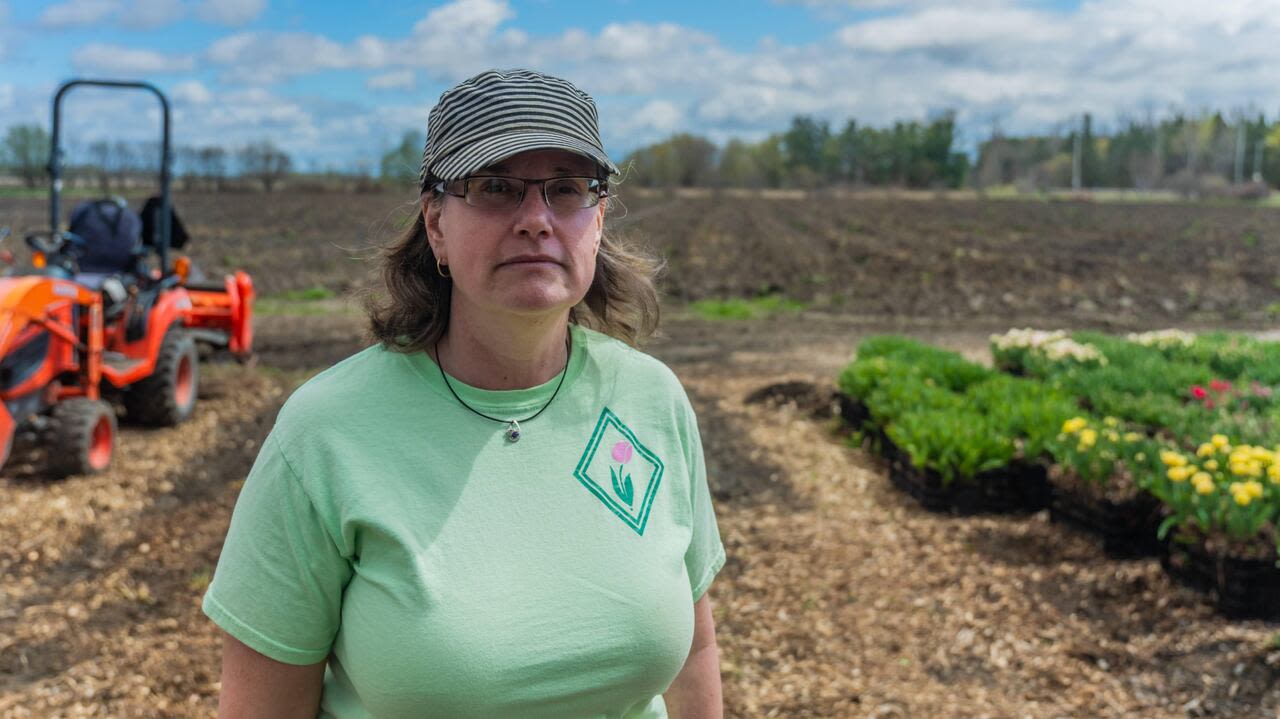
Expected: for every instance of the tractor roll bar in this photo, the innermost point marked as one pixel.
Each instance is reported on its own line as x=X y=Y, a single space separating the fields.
x=55 y=160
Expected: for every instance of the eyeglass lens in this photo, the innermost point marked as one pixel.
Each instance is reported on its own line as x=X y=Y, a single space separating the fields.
x=561 y=193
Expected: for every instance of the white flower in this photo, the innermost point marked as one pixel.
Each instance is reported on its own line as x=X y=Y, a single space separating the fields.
x=1162 y=339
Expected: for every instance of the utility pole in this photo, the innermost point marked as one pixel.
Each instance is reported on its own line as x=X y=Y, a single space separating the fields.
x=1239 y=173
x=1076 y=149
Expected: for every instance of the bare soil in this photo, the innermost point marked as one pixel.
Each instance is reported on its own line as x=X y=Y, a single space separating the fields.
x=840 y=598
x=871 y=257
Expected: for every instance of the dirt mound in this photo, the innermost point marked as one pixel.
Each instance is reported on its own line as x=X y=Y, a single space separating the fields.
x=807 y=397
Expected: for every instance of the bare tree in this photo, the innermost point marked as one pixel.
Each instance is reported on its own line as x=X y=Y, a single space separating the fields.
x=123 y=161
x=213 y=165
x=186 y=166
x=100 y=158
x=26 y=149
x=265 y=162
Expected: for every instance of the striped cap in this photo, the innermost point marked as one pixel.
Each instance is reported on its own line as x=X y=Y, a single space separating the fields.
x=496 y=114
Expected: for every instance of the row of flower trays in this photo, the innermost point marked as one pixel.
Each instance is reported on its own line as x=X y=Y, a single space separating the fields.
x=1160 y=443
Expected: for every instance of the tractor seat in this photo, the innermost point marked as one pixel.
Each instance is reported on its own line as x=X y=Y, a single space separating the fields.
x=112 y=234
x=115 y=292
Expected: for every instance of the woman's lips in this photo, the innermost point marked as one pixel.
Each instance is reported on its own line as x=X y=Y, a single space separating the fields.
x=531 y=262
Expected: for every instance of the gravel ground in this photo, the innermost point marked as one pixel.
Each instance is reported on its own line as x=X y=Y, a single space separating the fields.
x=840 y=598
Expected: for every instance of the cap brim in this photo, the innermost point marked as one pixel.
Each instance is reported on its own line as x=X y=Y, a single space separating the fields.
x=492 y=150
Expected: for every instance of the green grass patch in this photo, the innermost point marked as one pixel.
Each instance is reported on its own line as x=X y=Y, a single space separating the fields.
x=315 y=300
x=310 y=294
x=738 y=308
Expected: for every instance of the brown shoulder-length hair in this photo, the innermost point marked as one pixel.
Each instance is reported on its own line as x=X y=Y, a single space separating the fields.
x=410 y=313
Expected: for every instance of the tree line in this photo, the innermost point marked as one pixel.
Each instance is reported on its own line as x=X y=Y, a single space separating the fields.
x=1183 y=152
x=1186 y=153
x=116 y=165
x=809 y=154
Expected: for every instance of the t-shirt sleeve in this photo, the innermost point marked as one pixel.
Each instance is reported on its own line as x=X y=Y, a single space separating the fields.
x=279 y=582
x=705 y=555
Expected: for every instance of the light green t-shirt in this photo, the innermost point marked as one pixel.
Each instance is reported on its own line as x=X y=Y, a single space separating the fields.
x=447 y=572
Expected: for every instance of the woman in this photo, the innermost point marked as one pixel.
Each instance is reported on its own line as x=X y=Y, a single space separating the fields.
x=495 y=511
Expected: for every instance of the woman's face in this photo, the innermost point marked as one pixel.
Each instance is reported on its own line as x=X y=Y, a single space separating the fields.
x=530 y=260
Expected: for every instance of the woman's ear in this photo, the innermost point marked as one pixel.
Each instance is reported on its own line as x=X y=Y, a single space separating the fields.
x=431 y=221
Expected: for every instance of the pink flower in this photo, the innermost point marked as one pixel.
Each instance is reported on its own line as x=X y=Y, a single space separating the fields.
x=622 y=452
x=1219 y=386
x=1198 y=392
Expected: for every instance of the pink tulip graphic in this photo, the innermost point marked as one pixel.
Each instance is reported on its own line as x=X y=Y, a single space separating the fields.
x=622 y=453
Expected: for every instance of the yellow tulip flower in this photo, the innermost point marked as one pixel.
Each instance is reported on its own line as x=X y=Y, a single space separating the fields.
x=1073 y=425
x=1178 y=474
x=1220 y=441
x=1205 y=450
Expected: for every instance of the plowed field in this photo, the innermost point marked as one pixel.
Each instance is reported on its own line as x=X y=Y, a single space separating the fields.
x=841 y=598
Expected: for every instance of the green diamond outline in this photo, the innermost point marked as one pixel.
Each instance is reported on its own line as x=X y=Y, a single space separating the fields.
x=638 y=523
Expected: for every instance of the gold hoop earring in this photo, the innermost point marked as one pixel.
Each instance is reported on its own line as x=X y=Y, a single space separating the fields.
x=440 y=270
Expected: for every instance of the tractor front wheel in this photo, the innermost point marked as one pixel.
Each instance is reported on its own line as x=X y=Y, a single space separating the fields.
x=168 y=396
x=83 y=437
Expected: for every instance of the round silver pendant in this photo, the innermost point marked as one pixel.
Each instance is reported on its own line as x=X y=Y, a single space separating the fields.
x=513 y=432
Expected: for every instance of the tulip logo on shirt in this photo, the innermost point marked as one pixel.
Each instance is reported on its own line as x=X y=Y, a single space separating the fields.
x=634 y=472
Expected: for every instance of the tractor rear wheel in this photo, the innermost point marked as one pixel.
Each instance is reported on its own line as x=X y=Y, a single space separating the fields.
x=82 y=437
x=168 y=396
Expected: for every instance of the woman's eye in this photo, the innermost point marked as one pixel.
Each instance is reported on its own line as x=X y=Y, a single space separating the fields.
x=496 y=186
x=568 y=187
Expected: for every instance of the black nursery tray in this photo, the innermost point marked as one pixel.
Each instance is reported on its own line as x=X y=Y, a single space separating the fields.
x=1240 y=588
x=1013 y=489
x=1127 y=528
x=1019 y=487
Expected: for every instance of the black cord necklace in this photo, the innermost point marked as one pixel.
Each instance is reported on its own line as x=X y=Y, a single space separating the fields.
x=513 y=425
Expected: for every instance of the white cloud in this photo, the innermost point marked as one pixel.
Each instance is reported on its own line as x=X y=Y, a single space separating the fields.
x=953 y=28
x=231 y=12
x=192 y=92
x=886 y=4
x=465 y=17
x=268 y=57
x=75 y=13
x=1030 y=67
x=113 y=59
x=397 y=80
x=131 y=14
x=151 y=14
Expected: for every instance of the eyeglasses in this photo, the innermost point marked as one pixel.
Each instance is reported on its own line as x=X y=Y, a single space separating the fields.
x=494 y=192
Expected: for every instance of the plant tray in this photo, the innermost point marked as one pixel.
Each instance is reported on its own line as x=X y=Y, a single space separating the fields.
x=1018 y=487
x=1240 y=588
x=1127 y=528
x=854 y=412
x=857 y=416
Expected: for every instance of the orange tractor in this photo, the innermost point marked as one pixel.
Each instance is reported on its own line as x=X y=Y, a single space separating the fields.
x=106 y=318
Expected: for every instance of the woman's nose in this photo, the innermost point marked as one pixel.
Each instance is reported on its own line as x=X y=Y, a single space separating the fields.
x=533 y=214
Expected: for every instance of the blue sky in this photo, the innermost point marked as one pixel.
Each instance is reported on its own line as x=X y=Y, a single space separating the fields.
x=335 y=83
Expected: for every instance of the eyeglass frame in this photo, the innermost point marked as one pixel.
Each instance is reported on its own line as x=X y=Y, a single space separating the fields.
x=602 y=188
